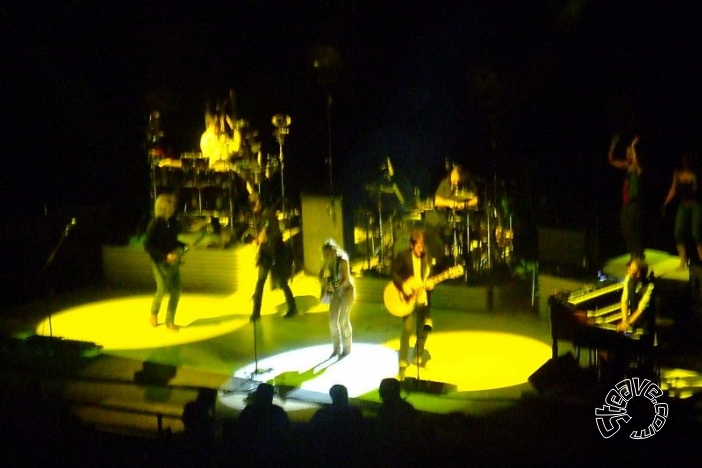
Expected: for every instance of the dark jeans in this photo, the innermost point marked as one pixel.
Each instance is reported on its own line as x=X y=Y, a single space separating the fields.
x=279 y=281
x=631 y=225
x=688 y=219
x=412 y=324
x=168 y=279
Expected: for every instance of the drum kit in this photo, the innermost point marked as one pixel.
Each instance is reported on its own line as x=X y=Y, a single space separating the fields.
x=477 y=239
x=217 y=188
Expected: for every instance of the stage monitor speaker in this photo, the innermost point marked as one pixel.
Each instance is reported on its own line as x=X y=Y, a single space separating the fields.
x=556 y=374
x=321 y=219
x=411 y=384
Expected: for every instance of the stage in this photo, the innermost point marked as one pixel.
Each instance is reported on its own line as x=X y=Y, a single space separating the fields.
x=488 y=340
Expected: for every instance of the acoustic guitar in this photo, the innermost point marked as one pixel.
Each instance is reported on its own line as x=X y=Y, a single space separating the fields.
x=327 y=286
x=400 y=305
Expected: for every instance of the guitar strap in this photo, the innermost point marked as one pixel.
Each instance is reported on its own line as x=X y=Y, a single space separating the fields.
x=423 y=273
x=425 y=267
x=337 y=265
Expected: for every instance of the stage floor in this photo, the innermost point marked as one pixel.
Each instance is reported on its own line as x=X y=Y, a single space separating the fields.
x=661 y=264
x=480 y=360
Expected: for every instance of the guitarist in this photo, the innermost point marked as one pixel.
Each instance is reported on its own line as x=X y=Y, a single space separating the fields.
x=164 y=249
x=410 y=269
x=273 y=257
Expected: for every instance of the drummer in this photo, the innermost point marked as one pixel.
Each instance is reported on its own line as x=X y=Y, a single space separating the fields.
x=456 y=191
x=216 y=145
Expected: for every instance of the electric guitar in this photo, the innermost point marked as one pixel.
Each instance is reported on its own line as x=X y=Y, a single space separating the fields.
x=400 y=305
x=181 y=251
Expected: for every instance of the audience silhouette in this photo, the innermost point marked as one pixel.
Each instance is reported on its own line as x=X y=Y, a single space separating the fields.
x=262 y=430
x=397 y=427
x=336 y=431
x=199 y=423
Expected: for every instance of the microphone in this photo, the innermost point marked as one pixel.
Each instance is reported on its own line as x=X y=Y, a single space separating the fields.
x=69 y=226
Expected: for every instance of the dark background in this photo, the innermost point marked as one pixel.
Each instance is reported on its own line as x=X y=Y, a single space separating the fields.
x=527 y=94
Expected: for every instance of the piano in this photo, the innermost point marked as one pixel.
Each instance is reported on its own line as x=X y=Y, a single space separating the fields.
x=588 y=318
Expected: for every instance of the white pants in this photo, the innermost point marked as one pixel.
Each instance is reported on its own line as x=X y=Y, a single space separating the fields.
x=340 y=319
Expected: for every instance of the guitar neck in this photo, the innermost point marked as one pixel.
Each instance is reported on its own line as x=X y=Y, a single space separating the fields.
x=439 y=278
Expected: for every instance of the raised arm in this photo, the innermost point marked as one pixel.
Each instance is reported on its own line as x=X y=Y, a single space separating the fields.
x=618 y=163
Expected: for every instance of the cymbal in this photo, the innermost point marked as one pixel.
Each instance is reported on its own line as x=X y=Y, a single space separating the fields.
x=422 y=207
x=464 y=195
x=281 y=120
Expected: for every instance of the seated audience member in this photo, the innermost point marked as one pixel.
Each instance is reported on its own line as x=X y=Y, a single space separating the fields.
x=336 y=431
x=262 y=429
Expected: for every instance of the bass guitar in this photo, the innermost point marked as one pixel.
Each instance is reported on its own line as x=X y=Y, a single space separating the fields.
x=400 y=304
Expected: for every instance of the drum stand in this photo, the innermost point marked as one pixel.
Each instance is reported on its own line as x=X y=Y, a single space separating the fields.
x=456 y=249
x=281 y=122
x=490 y=212
x=230 y=199
x=467 y=244
x=381 y=233
x=460 y=245
x=381 y=249
x=370 y=241
x=153 y=189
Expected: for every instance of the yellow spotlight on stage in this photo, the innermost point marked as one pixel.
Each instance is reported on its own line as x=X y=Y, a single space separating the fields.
x=123 y=323
x=479 y=360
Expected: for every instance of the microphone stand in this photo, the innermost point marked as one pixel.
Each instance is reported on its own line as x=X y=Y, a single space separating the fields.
x=256 y=371
x=46 y=272
x=417 y=357
x=281 y=122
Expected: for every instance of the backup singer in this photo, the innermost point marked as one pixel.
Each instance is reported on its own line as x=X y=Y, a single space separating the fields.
x=336 y=277
x=631 y=218
x=164 y=249
x=688 y=216
x=273 y=258
x=410 y=270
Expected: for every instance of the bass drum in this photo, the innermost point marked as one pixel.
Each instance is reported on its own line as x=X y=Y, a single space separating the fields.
x=435 y=219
